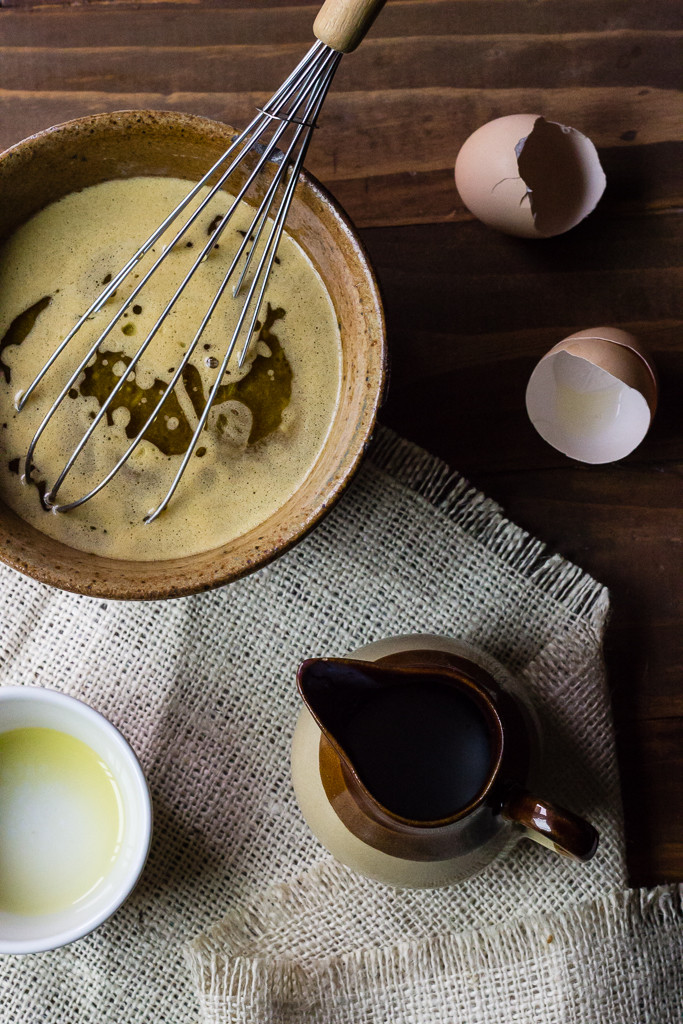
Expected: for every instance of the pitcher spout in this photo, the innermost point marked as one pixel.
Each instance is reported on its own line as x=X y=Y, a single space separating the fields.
x=416 y=746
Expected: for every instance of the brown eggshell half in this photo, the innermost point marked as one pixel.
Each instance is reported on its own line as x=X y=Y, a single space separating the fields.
x=598 y=346
x=527 y=176
x=593 y=395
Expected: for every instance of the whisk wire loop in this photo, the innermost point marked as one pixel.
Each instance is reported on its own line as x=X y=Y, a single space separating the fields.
x=308 y=64
x=263 y=211
x=50 y=495
x=305 y=88
x=269 y=255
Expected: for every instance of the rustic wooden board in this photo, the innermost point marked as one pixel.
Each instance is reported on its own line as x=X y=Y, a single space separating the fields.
x=401 y=105
x=469 y=312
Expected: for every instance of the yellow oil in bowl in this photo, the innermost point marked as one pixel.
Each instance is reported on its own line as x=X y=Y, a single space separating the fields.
x=61 y=821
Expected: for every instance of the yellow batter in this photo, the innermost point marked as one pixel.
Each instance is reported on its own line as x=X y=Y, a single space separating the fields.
x=262 y=438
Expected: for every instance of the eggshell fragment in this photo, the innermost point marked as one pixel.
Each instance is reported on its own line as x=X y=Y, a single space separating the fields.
x=529 y=177
x=593 y=395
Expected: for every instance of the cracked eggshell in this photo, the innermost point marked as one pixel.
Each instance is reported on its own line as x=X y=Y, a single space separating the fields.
x=529 y=177
x=593 y=395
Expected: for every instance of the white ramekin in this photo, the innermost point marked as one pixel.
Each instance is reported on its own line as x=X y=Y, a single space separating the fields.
x=34 y=707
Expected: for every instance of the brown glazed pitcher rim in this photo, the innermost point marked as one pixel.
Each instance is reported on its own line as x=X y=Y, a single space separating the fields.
x=459 y=678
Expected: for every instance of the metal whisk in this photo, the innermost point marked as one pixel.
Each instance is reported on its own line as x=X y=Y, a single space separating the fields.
x=280 y=132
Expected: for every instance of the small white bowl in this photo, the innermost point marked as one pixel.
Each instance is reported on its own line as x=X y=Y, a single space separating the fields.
x=33 y=707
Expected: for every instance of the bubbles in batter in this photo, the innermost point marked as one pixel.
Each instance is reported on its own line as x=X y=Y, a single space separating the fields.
x=270 y=417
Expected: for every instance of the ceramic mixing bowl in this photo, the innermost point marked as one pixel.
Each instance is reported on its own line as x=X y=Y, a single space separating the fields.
x=80 y=153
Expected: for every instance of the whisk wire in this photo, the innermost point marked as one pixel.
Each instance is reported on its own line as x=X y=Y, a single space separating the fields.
x=269 y=255
x=97 y=305
x=306 y=87
x=51 y=494
x=330 y=66
x=308 y=64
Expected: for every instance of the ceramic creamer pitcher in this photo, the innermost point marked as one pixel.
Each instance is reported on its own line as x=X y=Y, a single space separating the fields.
x=413 y=761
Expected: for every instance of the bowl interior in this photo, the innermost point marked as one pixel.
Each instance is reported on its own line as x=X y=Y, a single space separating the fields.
x=27 y=707
x=124 y=144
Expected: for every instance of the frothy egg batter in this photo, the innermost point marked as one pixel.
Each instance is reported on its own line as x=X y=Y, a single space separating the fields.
x=270 y=419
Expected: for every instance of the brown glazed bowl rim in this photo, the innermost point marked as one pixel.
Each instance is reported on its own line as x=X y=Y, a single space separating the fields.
x=204 y=579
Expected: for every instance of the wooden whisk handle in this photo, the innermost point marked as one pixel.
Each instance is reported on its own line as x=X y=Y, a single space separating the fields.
x=342 y=24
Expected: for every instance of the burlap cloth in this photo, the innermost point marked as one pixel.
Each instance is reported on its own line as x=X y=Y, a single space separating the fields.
x=204 y=690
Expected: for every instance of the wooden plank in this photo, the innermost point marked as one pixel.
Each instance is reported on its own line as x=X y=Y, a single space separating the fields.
x=639 y=179
x=363 y=137
x=651 y=761
x=488 y=62
x=644 y=649
x=186 y=24
x=236 y=21
x=428 y=355
x=461 y=300
x=582 y=512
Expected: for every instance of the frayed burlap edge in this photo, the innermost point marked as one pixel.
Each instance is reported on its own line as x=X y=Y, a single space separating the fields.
x=484 y=521
x=617 y=960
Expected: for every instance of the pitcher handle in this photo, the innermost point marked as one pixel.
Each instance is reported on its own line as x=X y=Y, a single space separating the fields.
x=550 y=825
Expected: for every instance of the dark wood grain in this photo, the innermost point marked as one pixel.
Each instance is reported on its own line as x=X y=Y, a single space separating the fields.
x=402 y=104
x=435 y=62
x=469 y=312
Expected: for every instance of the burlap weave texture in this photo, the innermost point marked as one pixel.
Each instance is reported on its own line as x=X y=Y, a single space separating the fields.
x=203 y=688
x=615 y=960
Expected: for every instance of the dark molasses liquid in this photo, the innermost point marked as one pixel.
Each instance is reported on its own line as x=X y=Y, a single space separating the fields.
x=422 y=749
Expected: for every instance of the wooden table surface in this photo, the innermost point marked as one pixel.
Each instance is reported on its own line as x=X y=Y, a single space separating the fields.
x=469 y=311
